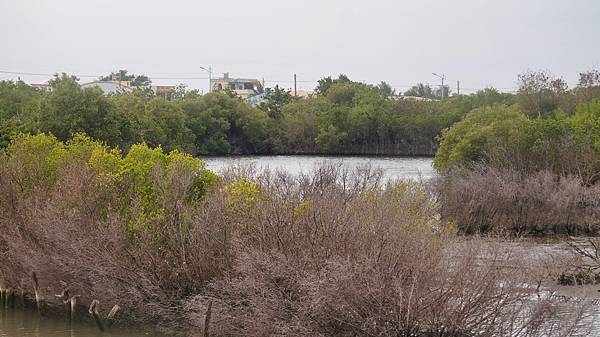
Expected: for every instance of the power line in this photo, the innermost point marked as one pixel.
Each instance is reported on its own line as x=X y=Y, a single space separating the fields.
x=83 y=75
x=10 y=72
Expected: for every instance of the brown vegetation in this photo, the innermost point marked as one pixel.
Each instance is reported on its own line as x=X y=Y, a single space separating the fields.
x=328 y=254
x=481 y=200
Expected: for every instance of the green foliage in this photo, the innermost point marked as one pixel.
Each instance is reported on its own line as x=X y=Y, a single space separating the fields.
x=325 y=83
x=148 y=180
x=467 y=140
x=343 y=117
x=540 y=92
x=124 y=75
x=420 y=90
x=35 y=160
x=386 y=90
x=503 y=137
x=346 y=117
x=20 y=110
x=242 y=193
x=275 y=99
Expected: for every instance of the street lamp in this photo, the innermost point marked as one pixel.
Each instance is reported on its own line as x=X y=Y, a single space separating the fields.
x=209 y=71
x=441 y=77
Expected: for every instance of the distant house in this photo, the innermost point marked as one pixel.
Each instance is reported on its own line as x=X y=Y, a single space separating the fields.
x=110 y=87
x=413 y=98
x=40 y=86
x=243 y=87
x=159 y=89
x=257 y=99
x=303 y=93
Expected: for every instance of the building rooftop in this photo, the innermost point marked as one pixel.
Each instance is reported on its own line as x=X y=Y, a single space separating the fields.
x=109 y=87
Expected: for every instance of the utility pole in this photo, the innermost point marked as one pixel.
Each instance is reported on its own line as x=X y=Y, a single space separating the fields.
x=442 y=89
x=458 y=87
x=295 y=88
x=442 y=77
x=209 y=71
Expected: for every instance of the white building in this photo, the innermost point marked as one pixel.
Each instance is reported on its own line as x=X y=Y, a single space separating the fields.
x=110 y=87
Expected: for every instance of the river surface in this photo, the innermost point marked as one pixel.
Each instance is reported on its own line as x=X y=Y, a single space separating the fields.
x=415 y=168
x=27 y=323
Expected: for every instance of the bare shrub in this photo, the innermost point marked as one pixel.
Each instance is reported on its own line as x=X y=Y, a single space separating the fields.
x=481 y=200
x=321 y=260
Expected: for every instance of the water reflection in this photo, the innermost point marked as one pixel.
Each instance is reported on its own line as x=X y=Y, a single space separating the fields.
x=26 y=323
x=393 y=167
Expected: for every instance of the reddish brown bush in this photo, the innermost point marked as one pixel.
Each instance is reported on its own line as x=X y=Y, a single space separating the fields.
x=481 y=200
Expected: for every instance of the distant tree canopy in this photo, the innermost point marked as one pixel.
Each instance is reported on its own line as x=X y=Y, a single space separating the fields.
x=325 y=83
x=342 y=117
x=540 y=92
x=275 y=99
x=386 y=90
x=420 y=90
x=124 y=75
x=425 y=91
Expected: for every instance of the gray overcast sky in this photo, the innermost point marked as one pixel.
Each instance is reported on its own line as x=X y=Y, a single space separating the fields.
x=481 y=43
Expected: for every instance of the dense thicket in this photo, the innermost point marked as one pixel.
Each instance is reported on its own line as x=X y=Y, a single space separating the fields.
x=343 y=117
x=327 y=254
x=549 y=128
x=513 y=166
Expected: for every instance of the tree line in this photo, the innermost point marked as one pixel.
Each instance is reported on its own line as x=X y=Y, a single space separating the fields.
x=342 y=117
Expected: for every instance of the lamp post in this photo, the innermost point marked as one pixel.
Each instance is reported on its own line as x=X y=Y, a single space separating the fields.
x=209 y=71
x=441 y=77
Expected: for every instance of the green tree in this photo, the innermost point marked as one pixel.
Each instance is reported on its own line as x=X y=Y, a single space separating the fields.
x=540 y=92
x=472 y=139
x=275 y=99
x=420 y=90
x=325 y=83
x=20 y=110
x=386 y=90
x=166 y=126
x=124 y=75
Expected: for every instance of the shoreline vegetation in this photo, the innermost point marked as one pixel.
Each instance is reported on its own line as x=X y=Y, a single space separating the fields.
x=341 y=117
x=127 y=222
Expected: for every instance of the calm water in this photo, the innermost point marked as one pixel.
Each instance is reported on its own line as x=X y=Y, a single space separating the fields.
x=393 y=167
x=19 y=323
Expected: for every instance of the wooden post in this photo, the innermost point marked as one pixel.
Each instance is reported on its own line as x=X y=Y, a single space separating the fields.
x=64 y=297
x=111 y=315
x=207 y=319
x=94 y=311
x=73 y=302
x=39 y=296
x=8 y=298
x=23 y=304
x=2 y=288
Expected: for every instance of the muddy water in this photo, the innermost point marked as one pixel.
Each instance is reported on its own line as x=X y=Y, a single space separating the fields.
x=26 y=323
x=580 y=301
